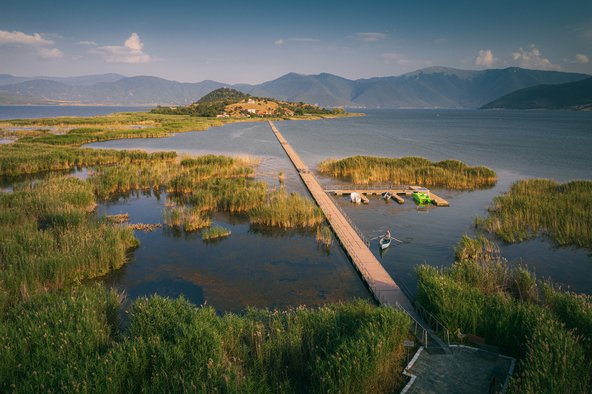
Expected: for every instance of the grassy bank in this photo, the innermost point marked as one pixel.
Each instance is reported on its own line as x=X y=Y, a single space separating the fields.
x=75 y=131
x=450 y=174
x=19 y=158
x=51 y=144
x=543 y=207
x=546 y=329
x=73 y=341
x=51 y=239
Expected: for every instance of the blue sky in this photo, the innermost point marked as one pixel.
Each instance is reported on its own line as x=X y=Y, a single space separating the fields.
x=256 y=41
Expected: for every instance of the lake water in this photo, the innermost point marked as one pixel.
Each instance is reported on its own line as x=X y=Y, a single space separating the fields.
x=517 y=144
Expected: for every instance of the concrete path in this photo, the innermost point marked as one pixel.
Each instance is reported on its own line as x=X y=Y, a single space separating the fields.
x=465 y=370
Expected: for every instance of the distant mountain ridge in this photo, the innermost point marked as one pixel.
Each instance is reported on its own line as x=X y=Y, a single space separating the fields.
x=572 y=95
x=434 y=87
x=7 y=79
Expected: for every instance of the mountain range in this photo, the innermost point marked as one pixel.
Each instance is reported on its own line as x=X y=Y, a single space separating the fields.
x=434 y=87
x=572 y=95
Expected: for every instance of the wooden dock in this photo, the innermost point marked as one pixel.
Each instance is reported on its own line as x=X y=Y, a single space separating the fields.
x=380 y=283
x=396 y=191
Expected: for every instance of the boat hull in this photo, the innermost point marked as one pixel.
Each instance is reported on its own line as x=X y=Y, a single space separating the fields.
x=421 y=197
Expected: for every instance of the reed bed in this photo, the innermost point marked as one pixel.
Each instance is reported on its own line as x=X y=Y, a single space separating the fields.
x=214 y=232
x=51 y=239
x=535 y=207
x=324 y=236
x=178 y=177
x=450 y=174
x=188 y=219
x=482 y=295
x=75 y=131
x=19 y=159
x=199 y=185
x=73 y=341
x=287 y=211
x=43 y=150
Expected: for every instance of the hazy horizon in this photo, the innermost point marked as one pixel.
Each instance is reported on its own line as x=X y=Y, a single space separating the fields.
x=251 y=43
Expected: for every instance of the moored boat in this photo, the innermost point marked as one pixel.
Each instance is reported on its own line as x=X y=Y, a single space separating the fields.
x=421 y=197
x=355 y=198
x=387 y=195
x=385 y=242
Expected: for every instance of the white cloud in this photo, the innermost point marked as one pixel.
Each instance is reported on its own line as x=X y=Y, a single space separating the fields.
x=85 y=42
x=35 y=41
x=397 y=58
x=485 y=58
x=281 y=41
x=49 y=53
x=304 y=39
x=370 y=37
x=130 y=52
x=581 y=58
x=20 y=38
x=532 y=58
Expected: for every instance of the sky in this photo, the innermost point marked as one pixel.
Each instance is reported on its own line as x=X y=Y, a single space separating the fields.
x=252 y=42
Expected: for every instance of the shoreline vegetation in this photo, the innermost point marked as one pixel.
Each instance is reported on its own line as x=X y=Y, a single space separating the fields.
x=75 y=340
x=52 y=239
x=449 y=174
x=544 y=207
x=548 y=330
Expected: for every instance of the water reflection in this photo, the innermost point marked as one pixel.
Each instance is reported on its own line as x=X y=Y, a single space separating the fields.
x=259 y=266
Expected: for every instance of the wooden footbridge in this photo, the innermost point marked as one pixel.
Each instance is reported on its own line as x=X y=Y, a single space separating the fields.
x=380 y=283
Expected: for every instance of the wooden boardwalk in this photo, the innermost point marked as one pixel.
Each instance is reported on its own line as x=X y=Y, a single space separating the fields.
x=380 y=283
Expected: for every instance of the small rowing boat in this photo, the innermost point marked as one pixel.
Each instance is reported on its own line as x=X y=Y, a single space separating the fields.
x=355 y=198
x=387 y=195
x=385 y=242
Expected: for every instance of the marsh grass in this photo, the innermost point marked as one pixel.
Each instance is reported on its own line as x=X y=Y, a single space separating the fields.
x=75 y=131
x=19 y=158
x=324 y=236
x=187 y=176
x=286 y=210
x=214 y=232
x=480 y=294
x=59 y=149
x=72 y=341
x=534 y=207
x=51 y=239
x=188 y=219
x=450 y=174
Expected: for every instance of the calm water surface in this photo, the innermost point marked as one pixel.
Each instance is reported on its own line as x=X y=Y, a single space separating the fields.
x=517 y=144
x=251 y=267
